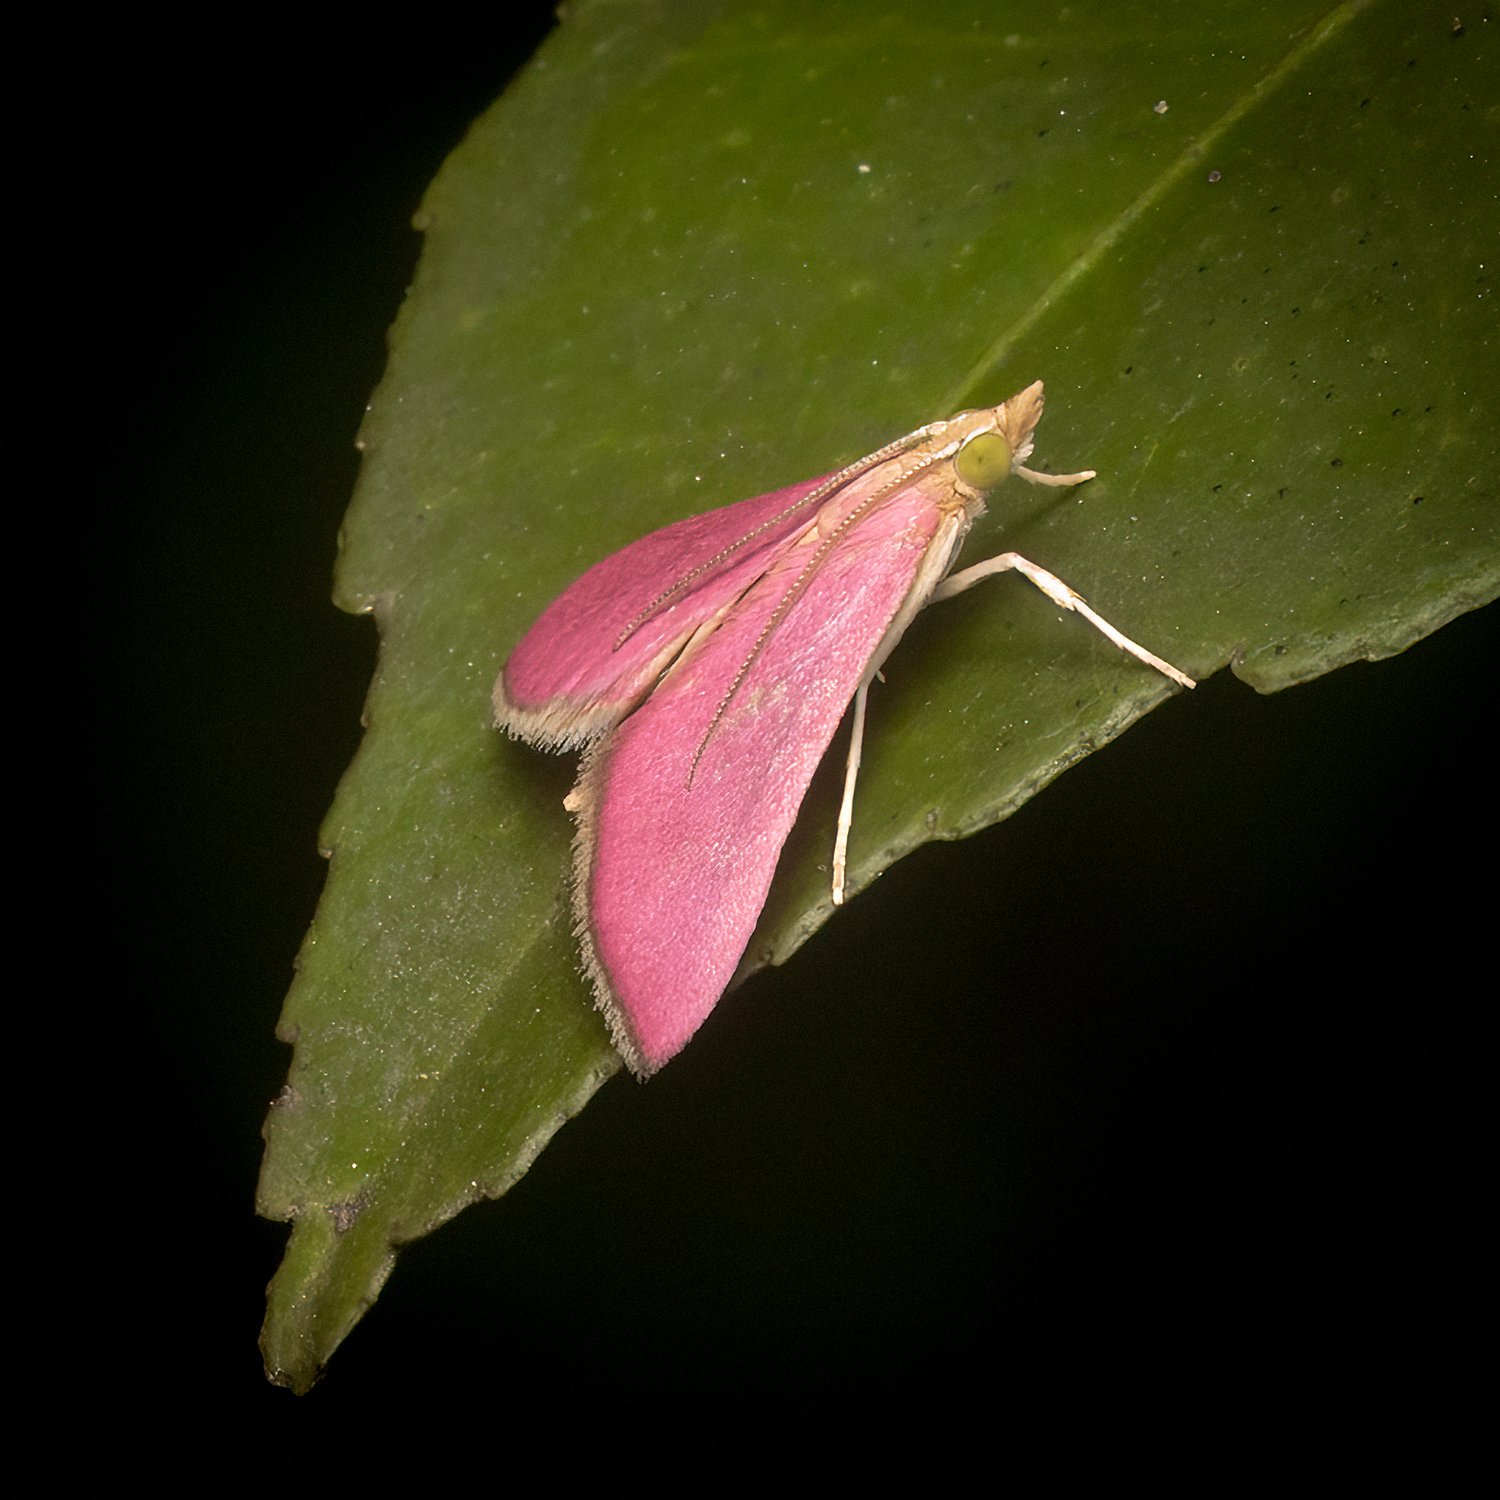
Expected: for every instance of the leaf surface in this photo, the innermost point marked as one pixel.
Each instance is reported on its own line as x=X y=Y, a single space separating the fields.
x=697 y=253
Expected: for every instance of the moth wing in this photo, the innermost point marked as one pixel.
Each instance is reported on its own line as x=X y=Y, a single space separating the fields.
x=683 y=811
x=581 y=668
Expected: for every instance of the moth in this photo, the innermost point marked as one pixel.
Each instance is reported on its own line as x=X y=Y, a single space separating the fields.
x=705 y=669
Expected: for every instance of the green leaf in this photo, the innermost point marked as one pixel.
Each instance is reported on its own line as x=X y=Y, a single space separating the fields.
x=699 y=252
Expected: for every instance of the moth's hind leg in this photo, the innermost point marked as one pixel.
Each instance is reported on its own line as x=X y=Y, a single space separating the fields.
x=846 y=807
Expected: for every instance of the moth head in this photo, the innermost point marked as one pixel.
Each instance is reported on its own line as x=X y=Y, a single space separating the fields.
x=984 y=460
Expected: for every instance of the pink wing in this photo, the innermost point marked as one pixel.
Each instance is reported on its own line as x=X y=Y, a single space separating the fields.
x=683 y=814
x=573 y=676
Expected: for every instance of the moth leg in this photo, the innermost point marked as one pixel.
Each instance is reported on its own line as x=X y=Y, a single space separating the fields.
x=1034 y=476
x=1060 y=594
x=846 y=807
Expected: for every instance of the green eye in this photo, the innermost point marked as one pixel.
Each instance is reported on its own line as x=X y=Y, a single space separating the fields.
x=983 y=461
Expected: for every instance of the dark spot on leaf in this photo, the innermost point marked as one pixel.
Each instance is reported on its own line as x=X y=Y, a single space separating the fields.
x=1416 y=499
x=1335 y=463
x=344 y=1214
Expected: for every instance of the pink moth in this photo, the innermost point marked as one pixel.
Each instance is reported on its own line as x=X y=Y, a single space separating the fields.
x=706 y=668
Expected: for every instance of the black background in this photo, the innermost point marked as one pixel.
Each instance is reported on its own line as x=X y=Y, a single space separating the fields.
x=952 y=1183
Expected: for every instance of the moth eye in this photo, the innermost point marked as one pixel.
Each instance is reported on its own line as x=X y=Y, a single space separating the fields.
x=983 y=461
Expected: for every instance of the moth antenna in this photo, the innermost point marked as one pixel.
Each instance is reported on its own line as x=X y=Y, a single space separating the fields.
x=830 y=486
